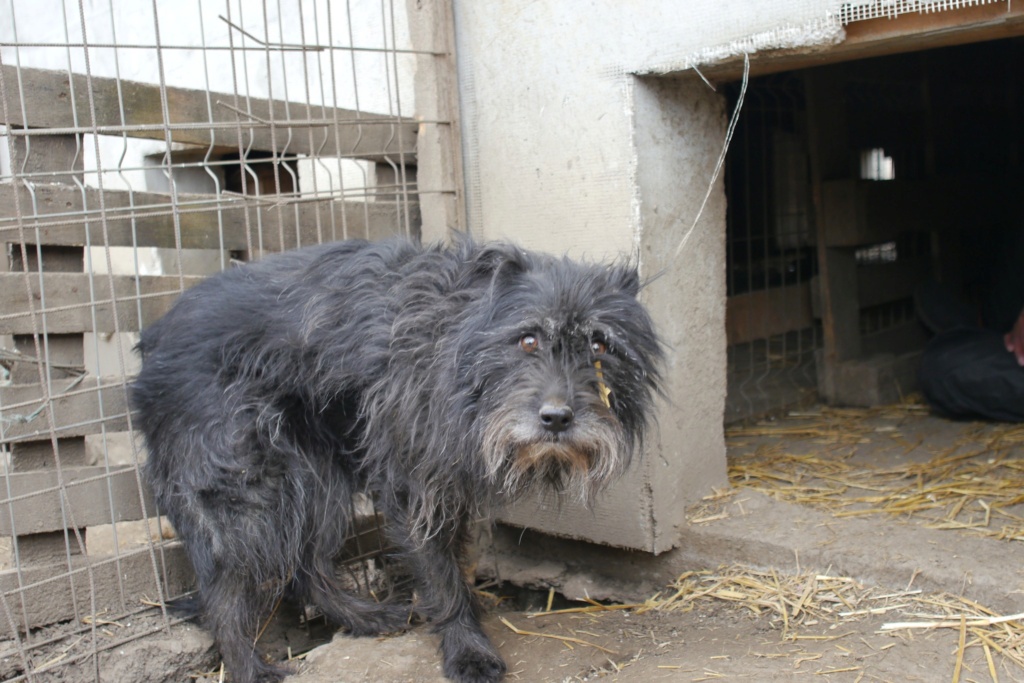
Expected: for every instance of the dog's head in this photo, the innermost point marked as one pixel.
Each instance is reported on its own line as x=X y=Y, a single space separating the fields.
x=561 y=361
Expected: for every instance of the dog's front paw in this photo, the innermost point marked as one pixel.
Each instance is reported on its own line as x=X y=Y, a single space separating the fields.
x=474 y=666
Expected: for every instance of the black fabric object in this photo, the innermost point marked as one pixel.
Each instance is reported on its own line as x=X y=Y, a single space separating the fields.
x=967 y=373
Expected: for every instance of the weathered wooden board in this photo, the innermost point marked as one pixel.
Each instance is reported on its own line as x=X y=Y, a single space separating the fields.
x=64 y=302
x=767 y=312
x=37 y=596
x=32 y=501
x=914 y=31
x=828 y=142
x=79 y=408
x=61 y=215
x=201 y=118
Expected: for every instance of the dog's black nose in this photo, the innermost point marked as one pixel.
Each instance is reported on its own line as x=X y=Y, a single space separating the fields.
x=556 y=417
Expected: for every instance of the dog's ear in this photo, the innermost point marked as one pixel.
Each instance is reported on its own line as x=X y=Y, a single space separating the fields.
x=499 y=259
x=627 y=278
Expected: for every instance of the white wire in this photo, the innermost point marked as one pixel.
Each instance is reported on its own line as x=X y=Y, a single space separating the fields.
x=721 y=157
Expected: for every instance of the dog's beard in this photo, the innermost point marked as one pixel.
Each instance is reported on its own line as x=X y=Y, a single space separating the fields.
x=579 y=462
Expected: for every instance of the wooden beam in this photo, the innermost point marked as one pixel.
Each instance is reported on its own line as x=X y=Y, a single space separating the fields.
x=909 y=32
x=439 y=152
x=767 y=312
x=79 y=302
x=60 y=215
x=38 y=596
x=81 y=407
x=55 y=100
x=837 y=290
x=35 y=502
x=840 y=309
x=78 y=407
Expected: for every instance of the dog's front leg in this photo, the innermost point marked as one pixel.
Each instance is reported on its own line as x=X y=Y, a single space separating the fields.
x=446 y=598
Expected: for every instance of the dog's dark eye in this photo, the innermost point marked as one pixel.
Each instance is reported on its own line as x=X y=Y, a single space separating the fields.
x=529 y=343
x=598 y=347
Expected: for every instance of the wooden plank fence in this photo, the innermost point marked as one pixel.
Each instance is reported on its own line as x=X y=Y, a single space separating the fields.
x=60 y=103
x=54 y=488
x=68 y=216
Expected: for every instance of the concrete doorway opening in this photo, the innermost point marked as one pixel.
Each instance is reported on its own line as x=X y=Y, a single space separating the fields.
x=852 y=187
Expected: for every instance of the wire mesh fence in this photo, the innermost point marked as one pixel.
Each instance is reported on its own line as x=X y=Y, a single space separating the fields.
x=143 y=146
x=771 y=255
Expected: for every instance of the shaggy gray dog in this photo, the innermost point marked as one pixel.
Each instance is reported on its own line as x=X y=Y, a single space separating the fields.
x=442 y=381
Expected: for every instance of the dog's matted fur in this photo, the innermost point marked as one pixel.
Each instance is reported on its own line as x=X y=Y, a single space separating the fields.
x=440 y=380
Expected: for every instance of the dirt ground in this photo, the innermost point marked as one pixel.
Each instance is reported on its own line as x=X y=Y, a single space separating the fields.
x=857 y=520
x=711 y=642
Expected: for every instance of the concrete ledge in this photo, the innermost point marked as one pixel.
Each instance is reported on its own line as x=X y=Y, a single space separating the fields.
x=877 y=380
x=762 y=532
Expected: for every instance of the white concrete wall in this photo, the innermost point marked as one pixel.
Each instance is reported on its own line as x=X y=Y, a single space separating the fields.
x=575 y=141
x=546 y=99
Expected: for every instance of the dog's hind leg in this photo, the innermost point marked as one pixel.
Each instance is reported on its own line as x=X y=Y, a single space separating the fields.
x=446 y=598
x=233 y=609
x=320 y=586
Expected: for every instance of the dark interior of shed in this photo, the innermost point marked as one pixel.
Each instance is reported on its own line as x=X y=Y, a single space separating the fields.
x=852 y=187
